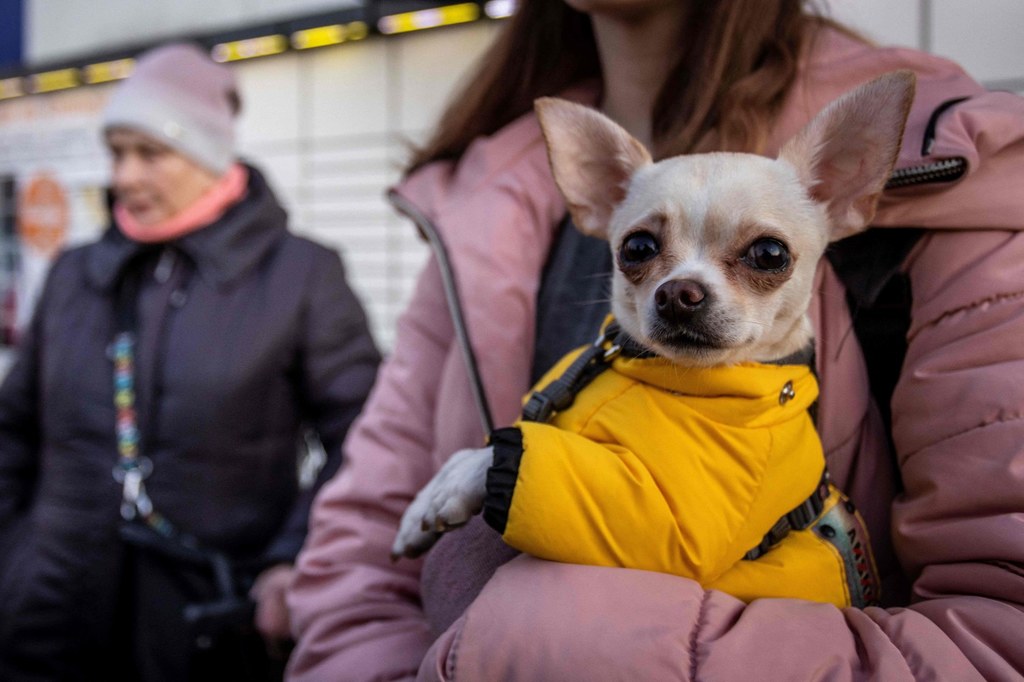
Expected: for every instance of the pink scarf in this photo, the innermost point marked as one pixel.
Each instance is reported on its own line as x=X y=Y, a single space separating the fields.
x=227 y=192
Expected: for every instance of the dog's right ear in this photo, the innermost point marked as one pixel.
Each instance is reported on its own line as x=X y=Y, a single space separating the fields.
x=592 y=159
x=846 y=153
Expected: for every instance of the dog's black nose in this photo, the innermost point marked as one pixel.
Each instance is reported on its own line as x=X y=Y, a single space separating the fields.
x=678 y=299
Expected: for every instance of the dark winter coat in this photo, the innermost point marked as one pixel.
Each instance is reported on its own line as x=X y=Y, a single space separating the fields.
x=246 y=333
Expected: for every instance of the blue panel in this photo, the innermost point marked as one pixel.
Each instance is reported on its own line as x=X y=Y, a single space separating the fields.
x=12 y=25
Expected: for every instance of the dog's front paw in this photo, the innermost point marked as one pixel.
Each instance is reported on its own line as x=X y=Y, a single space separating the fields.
x=451 y=498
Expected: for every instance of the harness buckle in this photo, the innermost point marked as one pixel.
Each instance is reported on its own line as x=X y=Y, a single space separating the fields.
x=561 y=392
x=538 y=407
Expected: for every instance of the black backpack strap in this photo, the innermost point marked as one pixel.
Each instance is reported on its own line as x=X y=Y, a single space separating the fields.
x=879 y=296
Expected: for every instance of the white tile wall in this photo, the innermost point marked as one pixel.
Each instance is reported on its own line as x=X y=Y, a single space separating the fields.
x=985 y=36
x=431 y=66
x=272 y=105
x=336 y=136
x=888 y=22
x=345 y=89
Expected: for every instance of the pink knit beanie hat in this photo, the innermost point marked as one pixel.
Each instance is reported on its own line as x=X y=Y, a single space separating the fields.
x=184 y=99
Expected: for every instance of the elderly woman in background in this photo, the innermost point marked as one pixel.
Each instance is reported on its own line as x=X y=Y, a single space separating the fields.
x=150 y=428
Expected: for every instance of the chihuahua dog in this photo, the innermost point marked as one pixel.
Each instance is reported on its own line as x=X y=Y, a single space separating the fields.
x=715 y=257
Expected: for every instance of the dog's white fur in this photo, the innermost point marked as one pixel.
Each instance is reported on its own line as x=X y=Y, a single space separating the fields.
x=704 y=211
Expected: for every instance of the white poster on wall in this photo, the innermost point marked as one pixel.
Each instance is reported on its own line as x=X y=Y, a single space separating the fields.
x=53 y=173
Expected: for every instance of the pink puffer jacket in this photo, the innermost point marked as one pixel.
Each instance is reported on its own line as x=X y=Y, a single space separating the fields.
x=957 y=524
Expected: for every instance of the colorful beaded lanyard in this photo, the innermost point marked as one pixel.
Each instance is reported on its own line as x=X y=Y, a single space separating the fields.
x=132 y=469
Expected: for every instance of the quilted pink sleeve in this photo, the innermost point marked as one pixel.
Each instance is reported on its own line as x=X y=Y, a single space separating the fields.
x=539 y=620
x=355 y=614
x=959 y=430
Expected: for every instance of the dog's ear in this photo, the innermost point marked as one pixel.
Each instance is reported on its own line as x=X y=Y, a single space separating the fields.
x=846 y=153
x=592 y=159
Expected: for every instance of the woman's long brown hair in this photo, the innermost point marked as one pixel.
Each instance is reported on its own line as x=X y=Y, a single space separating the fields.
x=739 y=60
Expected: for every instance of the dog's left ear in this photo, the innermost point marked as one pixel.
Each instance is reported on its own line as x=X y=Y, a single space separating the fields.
x=592 y=159
x=846 y=153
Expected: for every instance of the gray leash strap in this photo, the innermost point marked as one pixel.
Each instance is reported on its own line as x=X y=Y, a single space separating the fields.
x=451 y=293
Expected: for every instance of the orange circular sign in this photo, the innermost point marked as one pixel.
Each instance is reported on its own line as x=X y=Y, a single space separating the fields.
x=43 y=214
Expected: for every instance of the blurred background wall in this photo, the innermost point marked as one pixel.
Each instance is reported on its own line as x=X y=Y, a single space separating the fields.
x=330 y=125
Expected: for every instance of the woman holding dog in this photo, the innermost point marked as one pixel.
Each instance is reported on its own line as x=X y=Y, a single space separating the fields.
x=941 y=489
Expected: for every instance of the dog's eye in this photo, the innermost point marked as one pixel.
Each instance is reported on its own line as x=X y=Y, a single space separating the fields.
x=767 y=254
x=638 y=247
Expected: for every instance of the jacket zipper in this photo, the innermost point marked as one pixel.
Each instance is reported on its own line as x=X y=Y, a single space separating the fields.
x=946 y=170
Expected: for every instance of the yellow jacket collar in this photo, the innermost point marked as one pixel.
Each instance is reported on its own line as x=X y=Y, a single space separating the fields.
x=770 y=390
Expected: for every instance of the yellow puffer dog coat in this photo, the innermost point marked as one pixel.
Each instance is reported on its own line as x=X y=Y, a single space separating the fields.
x=683 y=470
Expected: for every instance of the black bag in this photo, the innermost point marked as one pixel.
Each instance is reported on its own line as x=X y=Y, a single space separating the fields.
x=209 y=633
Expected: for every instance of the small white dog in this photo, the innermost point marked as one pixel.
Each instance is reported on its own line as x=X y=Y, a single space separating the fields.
x=715 y=256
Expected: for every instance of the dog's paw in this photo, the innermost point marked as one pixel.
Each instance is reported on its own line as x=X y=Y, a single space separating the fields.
x=451 y=498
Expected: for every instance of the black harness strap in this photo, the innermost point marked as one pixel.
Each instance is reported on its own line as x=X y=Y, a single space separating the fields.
x=879 y=298
x=800 y=518
x=560 y=393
